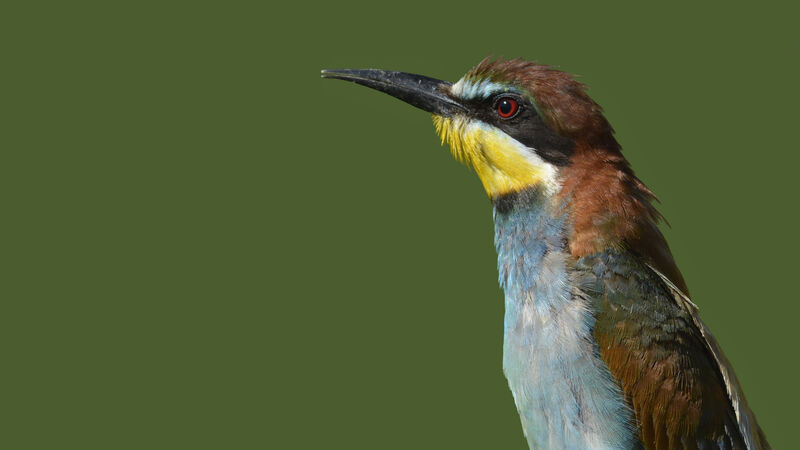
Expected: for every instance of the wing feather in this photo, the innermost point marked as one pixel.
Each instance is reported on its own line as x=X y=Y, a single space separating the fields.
x=748 y=427
x=671 y=369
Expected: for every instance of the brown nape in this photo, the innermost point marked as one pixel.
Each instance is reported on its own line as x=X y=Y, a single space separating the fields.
x=611 y=208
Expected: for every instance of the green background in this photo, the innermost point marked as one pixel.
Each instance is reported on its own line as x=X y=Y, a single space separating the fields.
x=205 y=245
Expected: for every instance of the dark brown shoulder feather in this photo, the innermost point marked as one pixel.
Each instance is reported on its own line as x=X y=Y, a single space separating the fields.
x=611 y=208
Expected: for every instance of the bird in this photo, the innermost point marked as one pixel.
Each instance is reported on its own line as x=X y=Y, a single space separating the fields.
x=602 y=346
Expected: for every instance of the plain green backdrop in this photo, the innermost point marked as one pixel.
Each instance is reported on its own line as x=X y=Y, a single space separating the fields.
x=205 y=245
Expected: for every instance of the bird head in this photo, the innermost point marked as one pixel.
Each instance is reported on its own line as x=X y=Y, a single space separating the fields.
x=517 y=123
x=528 y=128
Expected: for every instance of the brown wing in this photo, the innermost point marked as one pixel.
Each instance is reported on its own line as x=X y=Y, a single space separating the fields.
x=673 y=374
x=746 y=419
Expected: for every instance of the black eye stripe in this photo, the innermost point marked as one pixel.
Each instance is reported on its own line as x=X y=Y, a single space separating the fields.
x=525 y=125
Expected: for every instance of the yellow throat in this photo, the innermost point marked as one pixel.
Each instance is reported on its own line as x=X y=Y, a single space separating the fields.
x=502 y=163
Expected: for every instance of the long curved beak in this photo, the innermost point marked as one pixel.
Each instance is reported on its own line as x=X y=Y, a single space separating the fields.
x=425 y=93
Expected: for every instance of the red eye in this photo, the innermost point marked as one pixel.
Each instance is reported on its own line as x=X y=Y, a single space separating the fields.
x=507 y=107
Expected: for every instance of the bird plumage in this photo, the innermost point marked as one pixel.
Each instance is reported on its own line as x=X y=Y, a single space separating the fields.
x=602 y=347
x=565 y=394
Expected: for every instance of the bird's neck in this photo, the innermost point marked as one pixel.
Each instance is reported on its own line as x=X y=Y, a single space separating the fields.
x=527 y=224
x=600 y=205
x=611 y=209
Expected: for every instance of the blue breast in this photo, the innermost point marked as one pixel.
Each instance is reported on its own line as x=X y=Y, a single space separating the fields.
x=565 y=394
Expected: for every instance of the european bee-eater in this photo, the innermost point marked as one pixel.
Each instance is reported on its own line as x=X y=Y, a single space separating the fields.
x=602 y=347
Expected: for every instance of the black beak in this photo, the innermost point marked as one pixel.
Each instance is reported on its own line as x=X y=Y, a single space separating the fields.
x=423 y=92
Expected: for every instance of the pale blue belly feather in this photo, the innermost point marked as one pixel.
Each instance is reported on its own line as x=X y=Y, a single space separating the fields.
x=564 y=392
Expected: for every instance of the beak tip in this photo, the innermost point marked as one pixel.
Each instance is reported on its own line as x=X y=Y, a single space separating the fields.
x=328 y=73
